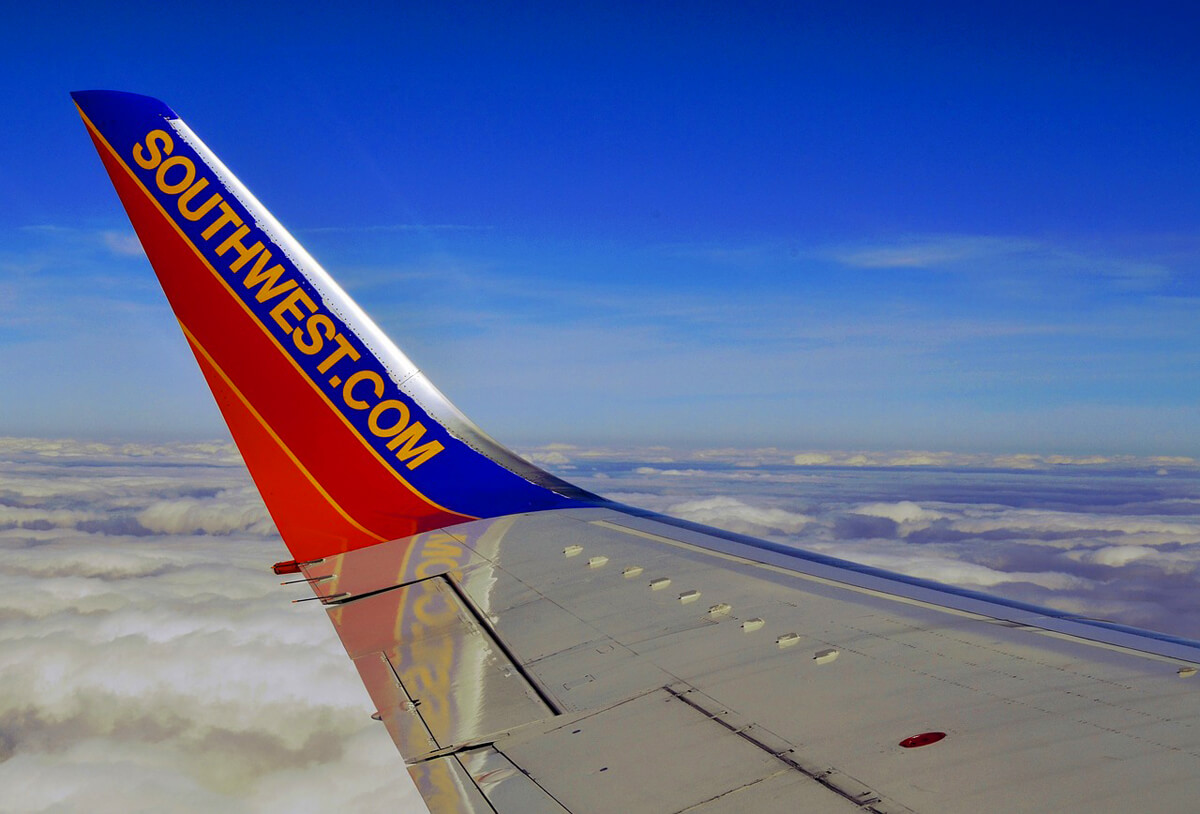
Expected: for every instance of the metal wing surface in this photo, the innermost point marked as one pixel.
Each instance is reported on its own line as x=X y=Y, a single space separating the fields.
x=596 y=660
x=532 y=647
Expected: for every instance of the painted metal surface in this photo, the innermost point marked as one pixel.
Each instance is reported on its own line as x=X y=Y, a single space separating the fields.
x=1033 y=720
x=457 y=677
x=348 y=442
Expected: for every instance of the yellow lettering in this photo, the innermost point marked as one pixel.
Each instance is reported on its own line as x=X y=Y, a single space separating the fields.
x=189 y=174
x=192 y=191
x=442 y=546
x=430 y=567
x=355 y=378
x=270 y=287
x=227 y=217
x=421 y=678
x=288 y=306
x=234 y=241
x=153 y=139
x=315 y=342
x=428 y=609
x=343 y=349
x=407 y=440
x=382 y=407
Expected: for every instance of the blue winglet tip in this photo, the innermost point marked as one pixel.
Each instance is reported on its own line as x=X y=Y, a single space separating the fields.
x=106 y=104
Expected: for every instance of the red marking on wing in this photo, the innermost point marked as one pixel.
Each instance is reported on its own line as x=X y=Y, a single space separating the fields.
x=924 y=739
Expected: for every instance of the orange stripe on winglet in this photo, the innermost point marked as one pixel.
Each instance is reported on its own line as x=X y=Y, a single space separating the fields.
x=311 y=522
x=117 y=162
x=326 y=488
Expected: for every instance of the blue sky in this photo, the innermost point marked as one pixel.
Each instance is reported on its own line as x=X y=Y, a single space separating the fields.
x=873 y=226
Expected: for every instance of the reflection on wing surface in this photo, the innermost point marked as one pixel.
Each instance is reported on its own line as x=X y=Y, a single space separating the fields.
x=607 y=695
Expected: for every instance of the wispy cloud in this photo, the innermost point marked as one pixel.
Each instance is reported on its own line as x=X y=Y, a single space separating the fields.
x=932 y=251
x=752 y=458
x=397 y=227
x=63 y=240
x=1009 y=256
x=810 y=349
x=123 y=243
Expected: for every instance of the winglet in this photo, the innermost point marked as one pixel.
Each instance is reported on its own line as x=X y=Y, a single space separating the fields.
x=346 y=439
x=108 y=108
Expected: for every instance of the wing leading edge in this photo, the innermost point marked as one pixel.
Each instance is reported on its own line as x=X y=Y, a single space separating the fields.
x=531 y=647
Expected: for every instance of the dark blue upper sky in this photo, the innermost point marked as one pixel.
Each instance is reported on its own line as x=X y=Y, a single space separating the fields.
x=869 y=225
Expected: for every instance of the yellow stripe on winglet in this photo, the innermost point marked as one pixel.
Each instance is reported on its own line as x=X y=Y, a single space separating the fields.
x=195 y=343
x=224 y=283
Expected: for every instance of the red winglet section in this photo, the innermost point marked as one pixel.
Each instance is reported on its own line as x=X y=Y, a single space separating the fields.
x=347 y=441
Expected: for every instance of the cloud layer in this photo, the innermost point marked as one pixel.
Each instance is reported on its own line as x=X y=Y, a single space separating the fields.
x=1113 y=537
x=151 y=661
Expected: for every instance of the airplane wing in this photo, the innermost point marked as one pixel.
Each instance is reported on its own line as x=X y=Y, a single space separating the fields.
x=532 y=647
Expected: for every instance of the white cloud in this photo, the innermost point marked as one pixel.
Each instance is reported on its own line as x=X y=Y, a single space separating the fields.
x=37 y=516
x=240 y=510
x=936 y=251
x=176 y=452
x=956 y=572
x=651 y=459
x=811 y=459
x=732 y=514
x=925 y=459
x=906 y=513
x=150 y=660
x=1074 y=460
x=674 y=473
x=984 y=254
x=1116 y=555
x=1109 y=540
x=125 y=244
x=166 y=669
x=552 y=457
x=1149 y=529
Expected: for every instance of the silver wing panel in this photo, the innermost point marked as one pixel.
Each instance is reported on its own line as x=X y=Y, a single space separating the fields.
x=594 y=660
